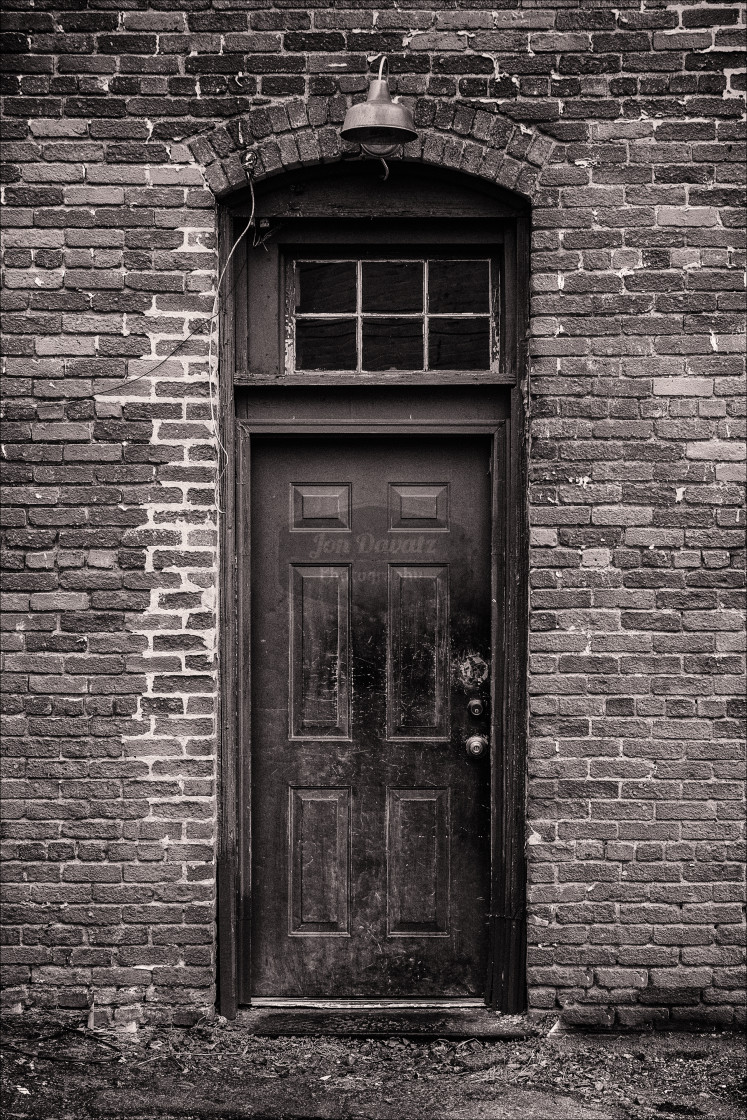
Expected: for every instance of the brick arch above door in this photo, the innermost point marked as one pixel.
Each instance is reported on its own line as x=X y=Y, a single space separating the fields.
x=472 y=139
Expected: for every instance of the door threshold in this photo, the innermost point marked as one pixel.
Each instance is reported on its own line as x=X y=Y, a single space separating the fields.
x=414 y=1019
x=365 y=1004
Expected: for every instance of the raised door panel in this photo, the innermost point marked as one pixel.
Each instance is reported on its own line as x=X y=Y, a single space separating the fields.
x=319 y=862
x=418 y=862
x=418 y=631
x=413 y=507
x=316 y=508
x=320 y=652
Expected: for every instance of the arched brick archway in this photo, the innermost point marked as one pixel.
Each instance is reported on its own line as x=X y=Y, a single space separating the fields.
x=457 y=136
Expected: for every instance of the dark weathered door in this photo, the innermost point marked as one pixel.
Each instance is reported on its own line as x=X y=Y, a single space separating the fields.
x=370 y=634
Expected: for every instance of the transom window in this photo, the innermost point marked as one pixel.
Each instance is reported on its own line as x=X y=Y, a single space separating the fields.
x=379 y=315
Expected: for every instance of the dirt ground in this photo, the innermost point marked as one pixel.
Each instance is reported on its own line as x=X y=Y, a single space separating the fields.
x=55 y=1069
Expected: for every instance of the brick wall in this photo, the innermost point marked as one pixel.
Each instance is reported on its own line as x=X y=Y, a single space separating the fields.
x=625 y=127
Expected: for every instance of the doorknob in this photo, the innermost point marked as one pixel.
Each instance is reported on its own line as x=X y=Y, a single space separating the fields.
x=476 y=746
x=474 y=706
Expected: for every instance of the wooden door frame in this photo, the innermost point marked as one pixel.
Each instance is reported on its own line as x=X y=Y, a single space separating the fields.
x=505 y=988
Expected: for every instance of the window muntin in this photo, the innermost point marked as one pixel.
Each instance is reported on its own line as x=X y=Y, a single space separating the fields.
x=387 y=315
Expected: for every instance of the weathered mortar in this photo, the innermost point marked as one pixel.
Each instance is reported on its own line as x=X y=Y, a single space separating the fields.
x=624 y=127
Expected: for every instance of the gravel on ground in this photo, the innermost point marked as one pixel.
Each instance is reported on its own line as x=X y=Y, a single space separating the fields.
x=54 y=1068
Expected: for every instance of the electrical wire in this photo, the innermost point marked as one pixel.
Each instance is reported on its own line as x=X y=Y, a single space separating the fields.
x=221 y=465
x=200 y=328
x=221 y=455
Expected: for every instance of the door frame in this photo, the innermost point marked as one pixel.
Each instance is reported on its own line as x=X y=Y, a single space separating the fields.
x=505 y=988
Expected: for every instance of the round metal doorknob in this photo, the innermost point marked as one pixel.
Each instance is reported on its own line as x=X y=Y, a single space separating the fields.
x=476 y=746
x=474 y=706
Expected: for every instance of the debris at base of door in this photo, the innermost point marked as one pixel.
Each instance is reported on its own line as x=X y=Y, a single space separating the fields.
x=187 y=1073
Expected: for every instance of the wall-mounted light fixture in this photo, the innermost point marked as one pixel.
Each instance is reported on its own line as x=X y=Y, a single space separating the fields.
x=379 y=124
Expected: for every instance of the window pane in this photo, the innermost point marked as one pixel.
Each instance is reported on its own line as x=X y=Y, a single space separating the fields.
x=325 y=286
x=394 y=286
x=458 y=286
x=325 y=344
x=392 y=344
x=459 y=343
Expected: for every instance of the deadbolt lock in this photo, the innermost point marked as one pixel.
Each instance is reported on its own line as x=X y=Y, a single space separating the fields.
x=476 y=746
x=474 y=707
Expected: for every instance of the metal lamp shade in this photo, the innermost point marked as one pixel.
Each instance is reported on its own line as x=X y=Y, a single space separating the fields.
x=379 y=124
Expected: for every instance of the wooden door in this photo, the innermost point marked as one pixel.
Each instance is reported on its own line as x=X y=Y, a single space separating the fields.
x=371 y=623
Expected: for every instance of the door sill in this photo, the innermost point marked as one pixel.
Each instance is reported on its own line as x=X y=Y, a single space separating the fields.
x=365 y=1004
x=425 y=1019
